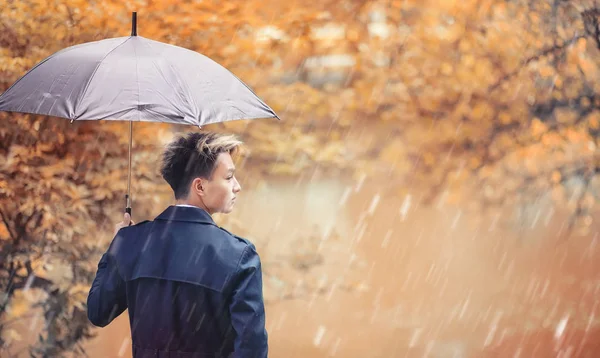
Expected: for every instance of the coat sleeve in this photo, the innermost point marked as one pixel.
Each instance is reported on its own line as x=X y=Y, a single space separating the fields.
x=247 y=308
x=107 y=298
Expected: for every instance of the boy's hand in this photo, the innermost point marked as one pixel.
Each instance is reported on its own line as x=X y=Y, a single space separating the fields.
x=126 y=222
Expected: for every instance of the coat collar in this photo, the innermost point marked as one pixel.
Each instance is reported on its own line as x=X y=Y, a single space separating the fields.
x=185 y=213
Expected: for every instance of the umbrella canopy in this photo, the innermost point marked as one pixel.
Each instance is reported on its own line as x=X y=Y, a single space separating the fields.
x=136 y=79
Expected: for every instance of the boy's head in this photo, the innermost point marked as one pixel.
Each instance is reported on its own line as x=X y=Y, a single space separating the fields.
x=200 y=170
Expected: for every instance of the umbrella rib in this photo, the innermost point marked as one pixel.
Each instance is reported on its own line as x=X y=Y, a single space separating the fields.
x=254 y=93
x=87 y=85
x=42 y=62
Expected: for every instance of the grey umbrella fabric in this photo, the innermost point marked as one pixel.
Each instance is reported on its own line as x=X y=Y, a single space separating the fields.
x=135 y=79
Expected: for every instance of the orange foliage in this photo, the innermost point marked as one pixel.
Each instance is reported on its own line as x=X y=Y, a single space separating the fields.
x=498 y=95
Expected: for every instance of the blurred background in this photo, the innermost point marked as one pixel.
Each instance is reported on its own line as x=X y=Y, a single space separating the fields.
x=431 y=190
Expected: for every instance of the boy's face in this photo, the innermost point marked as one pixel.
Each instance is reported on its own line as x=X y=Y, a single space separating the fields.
x=219 y=192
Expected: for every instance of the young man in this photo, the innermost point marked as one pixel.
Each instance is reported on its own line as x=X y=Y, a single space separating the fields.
x=192 y=288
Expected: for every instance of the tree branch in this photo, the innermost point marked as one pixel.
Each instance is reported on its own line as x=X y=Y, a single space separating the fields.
x=536 y=57
x=591 y=24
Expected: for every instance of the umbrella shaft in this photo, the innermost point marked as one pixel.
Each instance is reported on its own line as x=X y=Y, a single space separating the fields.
x=129 y=165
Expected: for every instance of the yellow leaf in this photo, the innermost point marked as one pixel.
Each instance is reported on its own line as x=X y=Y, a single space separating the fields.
x=392 y=152
x=594 y=120
x=474 y=162
x=546 y=71
x=12 y=335
x=428 y=159
x=538 y=127
x=505 y=118
x=581 y=45
x=480 y=111
x=19 y=304
x=447 y=68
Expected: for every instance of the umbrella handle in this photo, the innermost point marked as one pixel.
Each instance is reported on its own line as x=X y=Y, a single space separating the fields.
x=127 y=206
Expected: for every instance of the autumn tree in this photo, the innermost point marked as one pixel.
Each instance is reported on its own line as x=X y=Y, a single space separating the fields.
x=61 y=183
x=61 y=188
x=494 y=95
x=506 y=99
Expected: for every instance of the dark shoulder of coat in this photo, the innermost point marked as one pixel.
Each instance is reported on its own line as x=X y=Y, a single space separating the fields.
x=200 y=254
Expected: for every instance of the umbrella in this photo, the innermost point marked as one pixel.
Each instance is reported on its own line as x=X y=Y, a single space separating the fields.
x=133 y=79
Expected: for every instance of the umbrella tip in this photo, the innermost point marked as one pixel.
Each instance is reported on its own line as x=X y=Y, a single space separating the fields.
x=134 y=23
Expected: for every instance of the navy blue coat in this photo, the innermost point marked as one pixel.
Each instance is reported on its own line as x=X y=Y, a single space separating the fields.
x=192 y=288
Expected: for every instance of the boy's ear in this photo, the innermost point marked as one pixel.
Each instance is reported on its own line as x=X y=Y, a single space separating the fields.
x=199 y=186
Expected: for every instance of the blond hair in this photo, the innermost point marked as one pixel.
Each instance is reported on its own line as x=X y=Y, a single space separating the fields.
x=214 y=143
